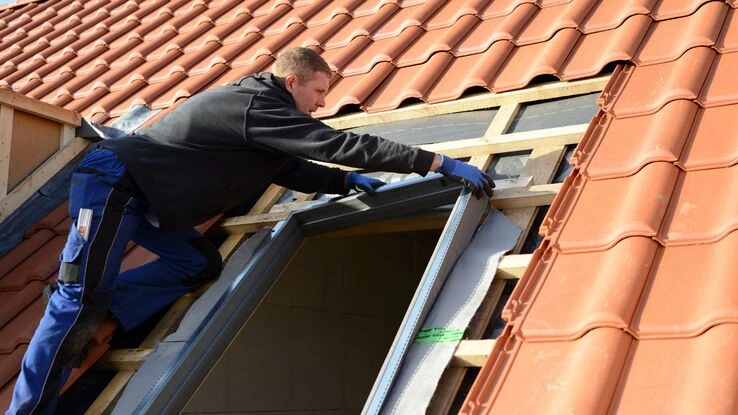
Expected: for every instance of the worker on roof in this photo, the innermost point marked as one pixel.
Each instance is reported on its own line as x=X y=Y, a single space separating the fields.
x=208 y=155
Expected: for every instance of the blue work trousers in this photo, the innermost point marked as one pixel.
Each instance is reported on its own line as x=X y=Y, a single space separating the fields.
x=90 y=282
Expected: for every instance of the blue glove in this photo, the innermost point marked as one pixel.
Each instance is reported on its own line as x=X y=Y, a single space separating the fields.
x=358 y=182
x=479 y=181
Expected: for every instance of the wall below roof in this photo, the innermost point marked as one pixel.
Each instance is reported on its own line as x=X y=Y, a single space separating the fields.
x=318 y=340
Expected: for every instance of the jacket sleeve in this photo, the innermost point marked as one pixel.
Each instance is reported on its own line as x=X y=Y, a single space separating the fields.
x=304 y=176
x=271 y=125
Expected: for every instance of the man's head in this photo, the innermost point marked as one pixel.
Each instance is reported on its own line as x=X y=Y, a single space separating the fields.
x=306 y=75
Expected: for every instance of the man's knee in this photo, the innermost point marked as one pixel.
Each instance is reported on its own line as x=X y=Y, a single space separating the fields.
x=213 y=260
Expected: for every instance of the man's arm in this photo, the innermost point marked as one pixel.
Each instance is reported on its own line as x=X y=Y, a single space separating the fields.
x=271 y=125
x=304 y=176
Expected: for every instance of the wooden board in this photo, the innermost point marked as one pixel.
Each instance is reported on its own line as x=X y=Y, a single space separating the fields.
x=35 y=139
x=42 y=109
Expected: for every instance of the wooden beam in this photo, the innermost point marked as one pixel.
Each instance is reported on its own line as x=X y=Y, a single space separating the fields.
x=559 y=136
x=472 y=353
x=42 y=109
x=516 y=197
x=512 y=266
x=122 y=359
x=40 y=176
x=485 y=100
x=499 y=125
x=541 y=166
x=6 y=137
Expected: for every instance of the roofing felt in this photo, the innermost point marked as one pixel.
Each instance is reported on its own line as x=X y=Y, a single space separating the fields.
x=103 y=57
x=629 y=305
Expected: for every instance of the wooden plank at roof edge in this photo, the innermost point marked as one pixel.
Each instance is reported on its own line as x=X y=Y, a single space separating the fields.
x=6 y=136
x=42 y=109
x=481 y=101
x=499 y=125
x=40 y=176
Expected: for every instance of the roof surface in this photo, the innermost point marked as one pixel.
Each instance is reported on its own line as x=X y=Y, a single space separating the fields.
x=101 y=57
x=630 y=304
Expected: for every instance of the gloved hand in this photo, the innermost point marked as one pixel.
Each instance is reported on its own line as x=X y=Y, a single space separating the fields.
x=358 y=182
x=467 y=174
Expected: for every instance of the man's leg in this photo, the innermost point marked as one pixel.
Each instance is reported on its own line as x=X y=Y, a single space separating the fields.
x=187 y=260
x=86 y=280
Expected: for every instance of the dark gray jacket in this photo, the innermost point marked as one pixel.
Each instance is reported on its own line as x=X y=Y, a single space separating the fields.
x=222 y=146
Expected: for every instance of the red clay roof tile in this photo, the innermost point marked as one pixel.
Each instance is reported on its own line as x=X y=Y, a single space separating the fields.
x=549 y=20
x=728 y=40
x=685 y=295
x=660 y=137
x=431 y=42
x=669 y=39
x=602 y=290
x=502 y=8
x=669 y=9
x=693 y=215
x=491 y=30
x=710 y=145
x=632 y=92
x=681 y=376
x=527 y=62
x=720 y=87
x=544 y=372
x=629 y=206
x=595 y=50
x=470 y=71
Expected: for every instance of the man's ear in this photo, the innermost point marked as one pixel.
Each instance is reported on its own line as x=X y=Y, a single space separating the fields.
x=289 y=82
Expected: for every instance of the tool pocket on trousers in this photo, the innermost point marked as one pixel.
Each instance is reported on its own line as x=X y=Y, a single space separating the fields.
x=70 y=257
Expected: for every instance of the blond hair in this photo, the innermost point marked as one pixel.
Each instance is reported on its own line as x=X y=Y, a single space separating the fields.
x=300 y=62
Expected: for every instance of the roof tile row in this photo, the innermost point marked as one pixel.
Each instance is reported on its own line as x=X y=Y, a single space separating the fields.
x=131 y=49
x=629 y=305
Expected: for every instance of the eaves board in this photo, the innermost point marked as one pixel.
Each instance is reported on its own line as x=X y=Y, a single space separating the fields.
x=171 y=389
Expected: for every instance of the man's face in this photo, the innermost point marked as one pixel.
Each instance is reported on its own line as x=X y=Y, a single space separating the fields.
x=309 y=94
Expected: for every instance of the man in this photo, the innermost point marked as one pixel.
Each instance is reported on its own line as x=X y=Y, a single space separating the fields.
x=208 y=155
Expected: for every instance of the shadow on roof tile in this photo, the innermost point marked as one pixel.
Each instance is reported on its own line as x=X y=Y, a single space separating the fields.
x=720 y=87
x=690 y=290
x=693 y=216
x=728 y=40
x=712 y=143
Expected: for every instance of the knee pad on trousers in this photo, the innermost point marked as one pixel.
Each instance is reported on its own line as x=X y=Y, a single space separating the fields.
x=213 y=260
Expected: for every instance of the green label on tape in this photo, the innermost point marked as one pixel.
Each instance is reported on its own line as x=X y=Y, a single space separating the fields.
x=439 y=335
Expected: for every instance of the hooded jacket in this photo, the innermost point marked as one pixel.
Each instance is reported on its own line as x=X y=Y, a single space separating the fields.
x=221 y=147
